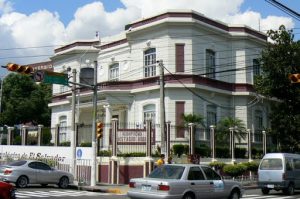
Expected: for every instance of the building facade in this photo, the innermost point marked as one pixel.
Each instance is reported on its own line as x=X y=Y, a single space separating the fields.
x=209 y=69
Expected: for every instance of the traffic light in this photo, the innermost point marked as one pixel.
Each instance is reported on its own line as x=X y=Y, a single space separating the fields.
x=19 y=68
x=295 y=78
x=99 y=130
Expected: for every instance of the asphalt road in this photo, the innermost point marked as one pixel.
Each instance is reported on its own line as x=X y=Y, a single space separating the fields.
x=53 y=192
x=35 y=192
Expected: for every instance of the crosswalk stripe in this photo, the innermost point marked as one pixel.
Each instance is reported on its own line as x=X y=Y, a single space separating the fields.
x=253 y=196
x=44 y=194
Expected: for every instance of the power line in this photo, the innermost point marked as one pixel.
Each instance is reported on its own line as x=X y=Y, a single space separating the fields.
x=285 y=9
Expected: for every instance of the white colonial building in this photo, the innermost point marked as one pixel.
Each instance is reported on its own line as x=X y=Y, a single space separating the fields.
x=209 y=69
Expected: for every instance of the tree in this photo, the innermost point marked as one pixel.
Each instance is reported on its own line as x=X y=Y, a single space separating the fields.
x=222 y=129
x=24 y=101
x=193 y=118
x=281 y=58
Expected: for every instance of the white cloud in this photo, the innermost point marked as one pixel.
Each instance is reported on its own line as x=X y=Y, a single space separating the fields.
x=45 y=28
x=212 y=8
x=5 y=6
x=93 y=17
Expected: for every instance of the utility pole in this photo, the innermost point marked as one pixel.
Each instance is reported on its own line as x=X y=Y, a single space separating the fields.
x=94 y=140
x=73 y=131
x=162 y=107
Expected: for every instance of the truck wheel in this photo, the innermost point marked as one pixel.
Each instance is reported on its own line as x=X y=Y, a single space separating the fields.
x=290 y=190
x=265 y=191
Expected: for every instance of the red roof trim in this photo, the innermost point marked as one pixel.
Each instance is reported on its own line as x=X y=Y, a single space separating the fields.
x=200 y=18
x=169 y=79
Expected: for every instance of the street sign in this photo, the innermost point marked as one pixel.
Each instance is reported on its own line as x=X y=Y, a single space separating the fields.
x=79 y=153
x=51 y=77
x=38 y=76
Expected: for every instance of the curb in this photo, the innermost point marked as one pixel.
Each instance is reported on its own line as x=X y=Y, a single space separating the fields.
x=98 y=189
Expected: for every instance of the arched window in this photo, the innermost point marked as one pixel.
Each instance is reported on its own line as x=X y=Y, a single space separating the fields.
x=114 y=72
x=63 y=128
x=150 y=62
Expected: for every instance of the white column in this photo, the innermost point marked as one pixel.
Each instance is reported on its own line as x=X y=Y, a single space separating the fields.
x=264 y=142
x=232 y=143
x=40 y=136
x=212 y=143
x=249 y=145
x=24 y=135
x=107 y=121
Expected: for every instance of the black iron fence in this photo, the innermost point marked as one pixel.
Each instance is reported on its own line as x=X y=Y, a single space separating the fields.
x=131 y=140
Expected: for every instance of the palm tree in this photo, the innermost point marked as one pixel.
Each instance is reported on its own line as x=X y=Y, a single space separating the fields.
x=196 y=119
x=222 y=129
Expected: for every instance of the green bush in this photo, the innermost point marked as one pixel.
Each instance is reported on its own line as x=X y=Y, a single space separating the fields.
x=137 y=154
x=251 y=166
x=65 y=143
x=217 y=165
x=178 y=149
x=85 y=144
x=203 y=150
x=234 y=170
x=104 y=153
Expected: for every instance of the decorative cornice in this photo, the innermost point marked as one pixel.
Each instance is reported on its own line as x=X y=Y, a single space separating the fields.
x=198 y=17
x=75 y=44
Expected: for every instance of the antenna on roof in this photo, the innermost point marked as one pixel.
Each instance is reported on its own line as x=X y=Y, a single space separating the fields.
x=97 y=35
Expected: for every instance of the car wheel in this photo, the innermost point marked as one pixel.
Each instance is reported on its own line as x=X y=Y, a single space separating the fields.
x=63 y=182
x=290 y=190
x=265 y=191
x=234 y=195
x=22 y=182
x=188 y=196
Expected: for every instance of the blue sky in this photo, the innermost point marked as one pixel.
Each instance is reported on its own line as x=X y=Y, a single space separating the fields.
x=67 y=8
x=31 y=29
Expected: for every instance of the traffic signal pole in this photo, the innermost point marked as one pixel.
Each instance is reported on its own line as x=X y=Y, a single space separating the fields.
x=94 y=140
x=73 y=131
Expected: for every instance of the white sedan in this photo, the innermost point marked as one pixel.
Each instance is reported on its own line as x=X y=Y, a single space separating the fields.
x=184 y=181
x=24 y=172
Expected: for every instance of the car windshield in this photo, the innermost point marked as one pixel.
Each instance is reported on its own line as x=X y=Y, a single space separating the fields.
x=167 y=172
x=271 y=164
